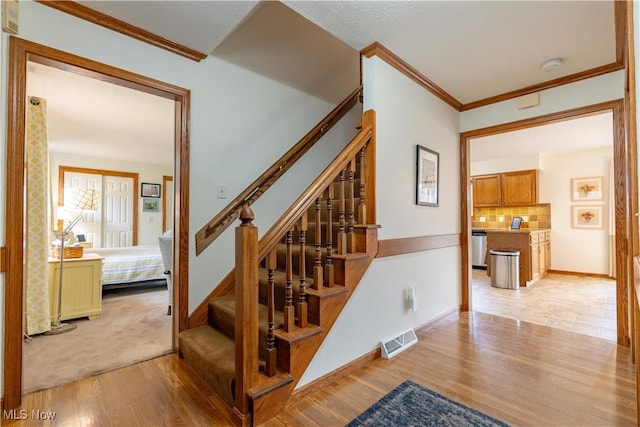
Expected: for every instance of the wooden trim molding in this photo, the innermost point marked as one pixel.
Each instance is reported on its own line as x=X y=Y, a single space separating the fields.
x=3 y=262
x=134 y=176
x=20 y=52
x=391 y=247
x=165 y=179
x=114 y=24
x=594 y=72
x=377 y=49
x=363 y=360
x=577 y=273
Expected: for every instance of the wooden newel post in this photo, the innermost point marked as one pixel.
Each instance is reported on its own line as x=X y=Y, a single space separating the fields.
x=246 y=291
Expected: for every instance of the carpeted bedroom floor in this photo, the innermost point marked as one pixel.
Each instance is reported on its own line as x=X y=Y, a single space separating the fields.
x=134 y=326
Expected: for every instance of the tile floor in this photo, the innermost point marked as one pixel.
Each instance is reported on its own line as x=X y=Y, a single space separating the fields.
x=584 y=305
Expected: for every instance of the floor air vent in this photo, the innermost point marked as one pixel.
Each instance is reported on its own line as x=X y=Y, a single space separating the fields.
x=395 y=345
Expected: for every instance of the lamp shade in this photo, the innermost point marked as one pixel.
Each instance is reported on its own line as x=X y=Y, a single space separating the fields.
x=84 y=200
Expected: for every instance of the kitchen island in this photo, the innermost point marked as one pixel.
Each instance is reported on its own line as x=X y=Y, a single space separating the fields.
x=534 y=246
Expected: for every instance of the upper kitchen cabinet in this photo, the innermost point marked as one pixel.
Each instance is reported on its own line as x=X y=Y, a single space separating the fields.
x=487 y=191
x=506 y=189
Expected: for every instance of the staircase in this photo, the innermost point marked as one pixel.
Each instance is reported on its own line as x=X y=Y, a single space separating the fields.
x=289 y=288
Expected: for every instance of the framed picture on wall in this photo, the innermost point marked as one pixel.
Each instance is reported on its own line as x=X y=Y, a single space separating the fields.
x=587 y=217
x=427 y=173
x=150 y=204
x=150 y=190
x=587 y=189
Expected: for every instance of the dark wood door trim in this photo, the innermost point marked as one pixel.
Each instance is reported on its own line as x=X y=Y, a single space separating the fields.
x=20 y=52
x=622 y=170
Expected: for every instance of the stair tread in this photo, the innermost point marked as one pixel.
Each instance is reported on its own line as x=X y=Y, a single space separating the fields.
x=212 y=354
x=227 y=303
x=296 y=333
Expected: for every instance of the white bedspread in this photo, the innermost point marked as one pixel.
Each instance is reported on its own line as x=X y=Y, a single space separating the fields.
x=130 y=264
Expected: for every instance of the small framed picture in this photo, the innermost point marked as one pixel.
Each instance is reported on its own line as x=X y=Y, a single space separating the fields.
x=150 y=204
x=150 y=190
x=587 y=189
x=587 y=217
x=427 y=177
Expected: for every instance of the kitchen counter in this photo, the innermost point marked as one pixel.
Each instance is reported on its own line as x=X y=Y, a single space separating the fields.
x=522 y=230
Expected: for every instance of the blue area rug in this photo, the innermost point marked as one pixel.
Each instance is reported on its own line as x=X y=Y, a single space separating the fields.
x=410 y=404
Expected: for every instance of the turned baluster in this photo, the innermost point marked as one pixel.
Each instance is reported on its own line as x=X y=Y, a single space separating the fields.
x=351 y=235
x=362 y=209
x=317 y=267
x=328 y=265
x=272 y=264
x=288 y=293
x=301 y=308
x=342 y=235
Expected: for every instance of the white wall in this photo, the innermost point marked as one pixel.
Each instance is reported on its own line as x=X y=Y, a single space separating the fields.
x=591 y=91
x=579 y=250
x=407 y=115
x=240 y=123
x=149 y=223
x=505 y=164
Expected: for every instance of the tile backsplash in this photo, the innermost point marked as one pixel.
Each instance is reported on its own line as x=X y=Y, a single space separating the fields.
x=539 y=217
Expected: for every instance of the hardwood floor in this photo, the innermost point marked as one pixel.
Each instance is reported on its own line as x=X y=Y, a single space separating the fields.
x=581 y=304
x=521 y=373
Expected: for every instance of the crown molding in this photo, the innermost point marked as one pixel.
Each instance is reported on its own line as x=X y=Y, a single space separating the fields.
x=377 y=49
x=106 y=21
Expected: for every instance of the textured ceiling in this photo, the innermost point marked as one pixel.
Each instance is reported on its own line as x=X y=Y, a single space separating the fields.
x=472 y=50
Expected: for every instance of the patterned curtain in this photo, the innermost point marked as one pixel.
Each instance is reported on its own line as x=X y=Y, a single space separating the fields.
x=38 y=231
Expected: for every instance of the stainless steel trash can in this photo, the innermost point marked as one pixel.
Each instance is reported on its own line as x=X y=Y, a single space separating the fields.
x=505 y=269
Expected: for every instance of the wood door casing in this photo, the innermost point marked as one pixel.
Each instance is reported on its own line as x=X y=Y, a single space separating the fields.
x=20 y=52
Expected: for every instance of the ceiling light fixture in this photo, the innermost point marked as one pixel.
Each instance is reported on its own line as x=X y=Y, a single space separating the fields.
x=551 y=64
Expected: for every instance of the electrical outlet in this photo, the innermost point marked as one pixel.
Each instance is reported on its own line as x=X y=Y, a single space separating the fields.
x=222 y=191
x=525 y=219
x=500 y=219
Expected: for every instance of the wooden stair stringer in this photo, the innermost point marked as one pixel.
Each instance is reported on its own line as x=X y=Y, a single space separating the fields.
x=301 y=352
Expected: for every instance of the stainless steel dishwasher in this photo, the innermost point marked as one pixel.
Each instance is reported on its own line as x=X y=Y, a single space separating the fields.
x=479 y=249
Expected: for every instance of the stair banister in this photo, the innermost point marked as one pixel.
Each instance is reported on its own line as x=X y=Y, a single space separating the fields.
x=246 y=321
x=229 y=214
x=315 y=190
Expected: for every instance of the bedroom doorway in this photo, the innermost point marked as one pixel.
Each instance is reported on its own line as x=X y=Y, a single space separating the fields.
x=130 y=292
x=21 y=52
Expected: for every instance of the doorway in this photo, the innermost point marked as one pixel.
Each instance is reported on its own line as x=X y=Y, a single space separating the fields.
x=20 y=53
x=621 y=185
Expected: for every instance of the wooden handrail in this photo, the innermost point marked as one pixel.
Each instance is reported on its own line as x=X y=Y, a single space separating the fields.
x=229 y=214
x=288 y=219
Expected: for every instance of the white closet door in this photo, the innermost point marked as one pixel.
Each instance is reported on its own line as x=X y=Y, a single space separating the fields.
x=91 y=224
x=117 y=212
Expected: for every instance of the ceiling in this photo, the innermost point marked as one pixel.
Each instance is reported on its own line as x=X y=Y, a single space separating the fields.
x=471 y=49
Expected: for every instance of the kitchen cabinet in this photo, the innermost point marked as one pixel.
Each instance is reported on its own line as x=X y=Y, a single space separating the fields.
x=81 y=288
x=534 y=247
x=507 y=189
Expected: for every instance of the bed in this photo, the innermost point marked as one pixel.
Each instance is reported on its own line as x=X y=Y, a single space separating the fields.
x=131 y=266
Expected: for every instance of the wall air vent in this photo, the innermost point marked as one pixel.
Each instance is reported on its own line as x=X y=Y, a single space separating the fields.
x=395 y=345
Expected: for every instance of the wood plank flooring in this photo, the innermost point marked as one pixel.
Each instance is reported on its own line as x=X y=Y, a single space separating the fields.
x=521 y=373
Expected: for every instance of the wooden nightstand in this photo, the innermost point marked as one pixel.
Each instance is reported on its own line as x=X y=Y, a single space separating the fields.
x=81 y=288
x=86 y=245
